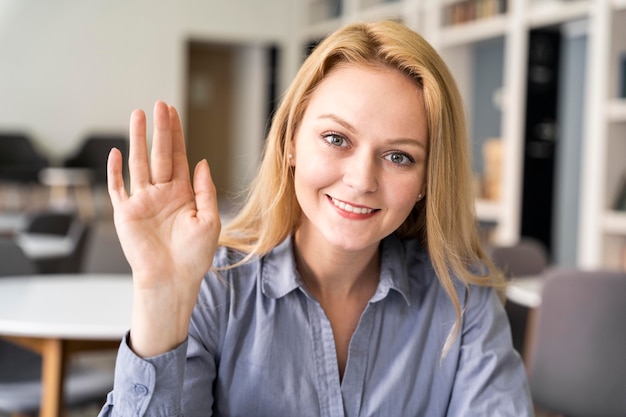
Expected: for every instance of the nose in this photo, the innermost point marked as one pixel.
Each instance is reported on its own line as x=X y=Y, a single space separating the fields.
x=361 y=173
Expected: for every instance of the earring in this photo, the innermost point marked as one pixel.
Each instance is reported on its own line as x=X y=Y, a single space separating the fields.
x=290 y=156
x=419 y=196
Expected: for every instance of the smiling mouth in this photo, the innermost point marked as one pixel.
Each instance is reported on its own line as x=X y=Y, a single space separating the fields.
x=350 y=208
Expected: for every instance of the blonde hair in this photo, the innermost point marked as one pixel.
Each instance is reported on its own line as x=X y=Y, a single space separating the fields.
x=444 y=220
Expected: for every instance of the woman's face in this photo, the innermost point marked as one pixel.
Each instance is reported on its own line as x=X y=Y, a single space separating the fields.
x=359 y=157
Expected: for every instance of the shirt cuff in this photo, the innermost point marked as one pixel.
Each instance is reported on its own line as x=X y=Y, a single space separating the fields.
x=149 y=385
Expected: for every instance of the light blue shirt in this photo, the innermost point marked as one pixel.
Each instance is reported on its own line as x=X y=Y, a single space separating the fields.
x=260 y=345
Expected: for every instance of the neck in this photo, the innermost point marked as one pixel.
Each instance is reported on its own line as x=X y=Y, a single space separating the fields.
x=331 y=273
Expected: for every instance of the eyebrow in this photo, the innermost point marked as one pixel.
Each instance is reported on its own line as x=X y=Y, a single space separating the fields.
x=352 y=129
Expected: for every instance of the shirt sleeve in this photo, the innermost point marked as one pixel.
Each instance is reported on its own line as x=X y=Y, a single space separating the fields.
x=490 y=379
x=146 y=387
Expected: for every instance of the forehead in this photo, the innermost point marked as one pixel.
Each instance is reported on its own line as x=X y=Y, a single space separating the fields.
x=375 y=97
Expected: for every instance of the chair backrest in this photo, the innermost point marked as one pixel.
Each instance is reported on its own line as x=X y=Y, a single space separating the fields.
x=50 y=222
x=94 y=152
x=526 y=257
x=80 y=233
x=19 y=161
x=13 y=261
x=578 y=362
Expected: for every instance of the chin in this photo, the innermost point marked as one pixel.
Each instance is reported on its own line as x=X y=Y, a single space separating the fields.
x=351 y=243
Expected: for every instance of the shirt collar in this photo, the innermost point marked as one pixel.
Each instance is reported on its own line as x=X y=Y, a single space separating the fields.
x=279 y=275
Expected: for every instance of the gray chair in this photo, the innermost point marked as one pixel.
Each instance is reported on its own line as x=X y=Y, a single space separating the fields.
x=526 y=257
x=578 y=361
x=20 y=369
x=13 y=260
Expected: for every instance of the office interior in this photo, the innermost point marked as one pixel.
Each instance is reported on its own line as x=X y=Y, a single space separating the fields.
x=71 y=70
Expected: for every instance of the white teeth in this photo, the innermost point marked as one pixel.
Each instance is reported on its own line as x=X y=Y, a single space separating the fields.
x=351 y=209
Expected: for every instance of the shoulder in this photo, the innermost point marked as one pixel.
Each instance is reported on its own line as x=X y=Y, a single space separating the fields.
x=423 y=279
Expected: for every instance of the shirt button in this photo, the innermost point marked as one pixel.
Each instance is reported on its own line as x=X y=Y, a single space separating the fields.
x=141 y=389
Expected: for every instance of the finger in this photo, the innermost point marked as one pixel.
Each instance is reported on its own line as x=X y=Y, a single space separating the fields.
x=161 y=156
x=138 y=152
x=179 y=153
x=204 y=189
x=115 y=179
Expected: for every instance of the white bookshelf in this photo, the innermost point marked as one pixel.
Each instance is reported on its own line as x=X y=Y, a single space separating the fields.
x=602 y=230
x=552 y=12
x=616 y=111
x=479 y=30
x=602 y=239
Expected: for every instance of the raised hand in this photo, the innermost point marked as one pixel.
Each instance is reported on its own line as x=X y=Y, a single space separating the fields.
x=168 y=229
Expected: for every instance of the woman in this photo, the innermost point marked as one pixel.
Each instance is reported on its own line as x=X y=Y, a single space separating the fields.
x=351 y=283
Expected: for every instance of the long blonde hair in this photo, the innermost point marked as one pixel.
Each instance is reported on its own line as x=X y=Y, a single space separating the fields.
x=444 y=220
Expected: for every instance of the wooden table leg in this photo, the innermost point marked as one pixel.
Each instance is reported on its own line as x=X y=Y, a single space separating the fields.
x=55 y=354
x=529 y=337
x=53 y=373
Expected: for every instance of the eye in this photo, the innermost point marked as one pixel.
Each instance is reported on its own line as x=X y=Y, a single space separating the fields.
x=335 y=139
x=399 y=158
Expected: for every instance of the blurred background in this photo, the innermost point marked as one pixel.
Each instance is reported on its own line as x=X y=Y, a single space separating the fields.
x=544 y=83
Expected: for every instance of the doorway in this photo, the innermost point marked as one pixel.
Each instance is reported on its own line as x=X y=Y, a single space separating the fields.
x=541 y=133
x=210 y=107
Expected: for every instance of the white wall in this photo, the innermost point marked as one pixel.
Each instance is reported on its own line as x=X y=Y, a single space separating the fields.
x=69 y=67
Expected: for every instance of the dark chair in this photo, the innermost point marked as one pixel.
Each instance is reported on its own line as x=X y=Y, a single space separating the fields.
x=94 y=152
x=20 y=369
x=49 y=222
x=79 y=233
x=578 y=365
x=19 y=160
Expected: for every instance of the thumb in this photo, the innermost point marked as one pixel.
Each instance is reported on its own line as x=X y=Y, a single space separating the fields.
x=204 y=190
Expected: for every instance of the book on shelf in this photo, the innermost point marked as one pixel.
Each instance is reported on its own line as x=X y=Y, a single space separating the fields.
x=492 y=176
x=465 y=11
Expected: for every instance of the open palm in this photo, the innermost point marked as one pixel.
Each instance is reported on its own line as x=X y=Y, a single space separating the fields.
x=168 y=229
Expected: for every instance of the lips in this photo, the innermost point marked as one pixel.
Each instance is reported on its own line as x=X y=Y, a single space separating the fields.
x=351 y=208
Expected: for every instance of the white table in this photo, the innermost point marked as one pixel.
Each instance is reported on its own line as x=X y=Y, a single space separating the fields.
x=57 y=315
x=39 y=246
x=526 y=291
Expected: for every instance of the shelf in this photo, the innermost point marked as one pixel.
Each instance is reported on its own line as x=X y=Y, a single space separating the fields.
x=557 y=11
x=475 y=31
x=602 y=232
x=616 y=110
x=615 y=222
x=382 y=10
x=488 y=210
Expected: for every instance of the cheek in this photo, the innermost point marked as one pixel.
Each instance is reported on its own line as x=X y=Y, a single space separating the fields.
x=313 y=169
x=404 y=194
x=310 y=174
